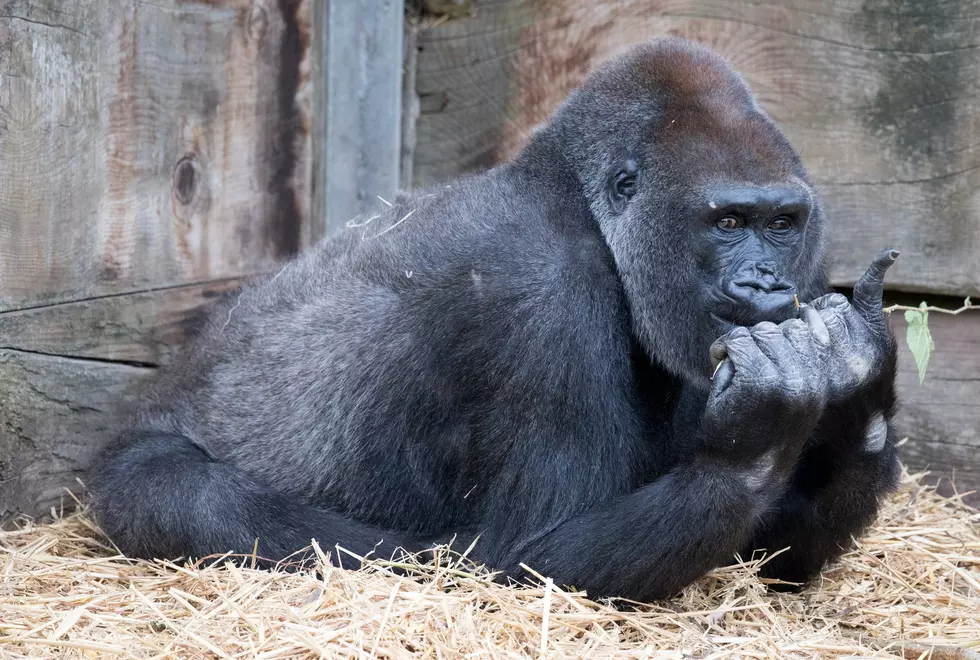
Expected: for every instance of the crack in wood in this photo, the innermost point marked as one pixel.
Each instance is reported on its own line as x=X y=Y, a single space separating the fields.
x=134 y=292
x=82 y=358
x=56 y=26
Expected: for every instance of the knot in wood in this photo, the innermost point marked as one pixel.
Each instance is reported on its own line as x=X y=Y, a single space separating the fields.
x=256 y=23
x=186 y=179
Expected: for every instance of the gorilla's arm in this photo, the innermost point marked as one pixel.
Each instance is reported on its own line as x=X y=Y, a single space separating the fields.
x=851 y=460
x=631 y=547
x=703 y=511
x=834 y=495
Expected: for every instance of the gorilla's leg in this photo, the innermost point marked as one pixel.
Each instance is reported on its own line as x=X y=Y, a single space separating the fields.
x=161 y=496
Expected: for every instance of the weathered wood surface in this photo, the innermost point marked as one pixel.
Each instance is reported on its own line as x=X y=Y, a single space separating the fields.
x=881 y=97
x=147 y=144
x=359 y=68
x=69 y=374
x=56 y=414
x=151 y=155
x=143 y=328
x=940 y=416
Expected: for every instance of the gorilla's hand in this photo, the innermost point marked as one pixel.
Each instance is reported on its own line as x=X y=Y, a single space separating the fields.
x=860 y=343
x=768 y=392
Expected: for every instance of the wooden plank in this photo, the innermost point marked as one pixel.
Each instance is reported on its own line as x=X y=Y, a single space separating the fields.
x=148 y=144
x=57 y=413
x=881 y=98
x=941 y=417
x=69 y=373
x=357 y=141
x=142 y=328
x=410 y=106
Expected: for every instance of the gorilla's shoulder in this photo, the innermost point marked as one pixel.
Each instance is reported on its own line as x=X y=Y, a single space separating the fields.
x=492 y=221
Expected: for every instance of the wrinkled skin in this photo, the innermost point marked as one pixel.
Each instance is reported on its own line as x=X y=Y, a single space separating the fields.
x=529 y=355
x=858 y=334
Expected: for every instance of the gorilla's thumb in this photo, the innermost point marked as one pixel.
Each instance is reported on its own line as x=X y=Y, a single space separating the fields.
x=868 y=290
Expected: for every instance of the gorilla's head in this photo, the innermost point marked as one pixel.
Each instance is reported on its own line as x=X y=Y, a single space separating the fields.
x=705 y=205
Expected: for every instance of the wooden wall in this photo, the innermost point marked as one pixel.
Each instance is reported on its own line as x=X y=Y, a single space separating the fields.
x=151 y=156
x=154 y=154
x=882 y=97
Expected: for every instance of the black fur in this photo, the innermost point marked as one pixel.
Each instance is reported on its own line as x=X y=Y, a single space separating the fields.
x=523 y=354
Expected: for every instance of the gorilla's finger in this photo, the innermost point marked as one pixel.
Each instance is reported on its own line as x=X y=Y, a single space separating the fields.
x=717 y=352
x=724 y=374
x=799 y=336
x=768 y=337
x=818 y=328
x=744 y=352
x=831 y=300
x=869 y=289
x=836 y=320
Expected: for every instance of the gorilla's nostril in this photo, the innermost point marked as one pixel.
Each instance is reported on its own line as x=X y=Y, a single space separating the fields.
x=766 y=268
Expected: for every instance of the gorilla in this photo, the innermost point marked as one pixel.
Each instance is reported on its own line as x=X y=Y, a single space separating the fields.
x=615 y=359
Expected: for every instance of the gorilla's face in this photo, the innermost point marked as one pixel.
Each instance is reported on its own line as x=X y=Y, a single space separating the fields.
x=700 y=197
x=747 y=246
x=703 y=251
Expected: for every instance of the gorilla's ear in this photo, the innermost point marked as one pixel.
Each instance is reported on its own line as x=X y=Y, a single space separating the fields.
x=622 y=186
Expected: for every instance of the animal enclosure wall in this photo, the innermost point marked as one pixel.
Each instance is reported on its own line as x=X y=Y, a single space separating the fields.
x=154 y=154
x=151 y=156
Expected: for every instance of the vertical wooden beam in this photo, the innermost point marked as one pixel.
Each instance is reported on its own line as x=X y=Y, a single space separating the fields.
x=410 y=104
x=357 y=139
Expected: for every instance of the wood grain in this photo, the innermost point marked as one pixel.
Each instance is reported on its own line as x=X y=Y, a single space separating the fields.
x=147 y=144
x=359 y=50
x=881 y=98
x=143 y=328
x=940 y=416
x=57 y=413
x=69 y=375
x=151 y=155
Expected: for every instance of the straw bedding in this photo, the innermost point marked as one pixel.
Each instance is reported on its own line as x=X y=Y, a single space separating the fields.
x=910 y=589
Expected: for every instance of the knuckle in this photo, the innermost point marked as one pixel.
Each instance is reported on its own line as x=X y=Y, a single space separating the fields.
x=795 y=386
x=832 y=314
x=794 y=325
x=739 y=334
x=759 y=382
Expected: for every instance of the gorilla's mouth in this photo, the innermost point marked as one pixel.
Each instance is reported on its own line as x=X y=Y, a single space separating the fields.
x=742 y=305
x=748 y=317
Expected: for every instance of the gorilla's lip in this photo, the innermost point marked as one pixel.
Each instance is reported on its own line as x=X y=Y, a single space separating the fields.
x=778 y=287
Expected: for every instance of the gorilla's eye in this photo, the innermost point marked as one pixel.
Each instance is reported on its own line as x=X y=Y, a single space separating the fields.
x=782 y=223
x=728 y=223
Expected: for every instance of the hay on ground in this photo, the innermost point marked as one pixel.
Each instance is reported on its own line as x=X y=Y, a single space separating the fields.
x=910 y=589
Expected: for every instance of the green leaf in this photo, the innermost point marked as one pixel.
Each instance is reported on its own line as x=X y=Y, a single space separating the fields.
x=919 y=338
